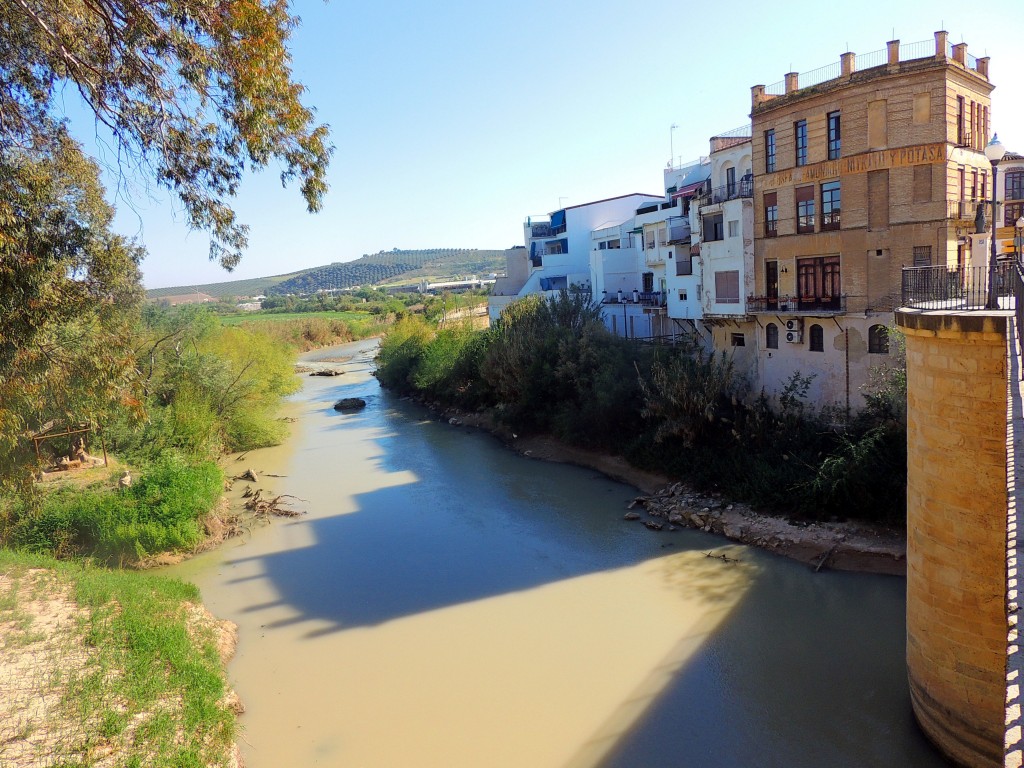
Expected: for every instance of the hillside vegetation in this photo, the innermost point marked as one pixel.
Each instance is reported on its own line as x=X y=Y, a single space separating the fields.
x=370 y=269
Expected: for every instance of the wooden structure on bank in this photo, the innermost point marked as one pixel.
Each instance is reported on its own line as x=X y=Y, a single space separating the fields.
x=46 y=432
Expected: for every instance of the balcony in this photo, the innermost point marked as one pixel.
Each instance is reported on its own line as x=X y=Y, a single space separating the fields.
x=967 y=210
x=742 y=188
x=639 y=298
x=794 y=305
x=541 y=230
x=678 y=230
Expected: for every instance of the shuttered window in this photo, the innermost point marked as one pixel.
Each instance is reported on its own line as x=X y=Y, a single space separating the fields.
x=727 y=287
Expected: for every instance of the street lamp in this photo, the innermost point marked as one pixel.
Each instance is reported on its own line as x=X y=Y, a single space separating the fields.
x=994 y=152
x=1017 y=241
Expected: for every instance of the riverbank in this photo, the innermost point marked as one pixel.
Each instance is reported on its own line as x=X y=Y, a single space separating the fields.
x=666 y=505
x=107 y=668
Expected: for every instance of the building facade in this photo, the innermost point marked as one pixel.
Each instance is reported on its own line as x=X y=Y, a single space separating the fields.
x=871 y=166
x=557 y=252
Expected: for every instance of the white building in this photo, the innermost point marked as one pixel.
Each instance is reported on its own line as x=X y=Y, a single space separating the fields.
x=557 y=253
x=722 y=220
x=683 y=278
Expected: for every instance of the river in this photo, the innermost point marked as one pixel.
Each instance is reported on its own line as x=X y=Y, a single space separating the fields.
x=445 y=602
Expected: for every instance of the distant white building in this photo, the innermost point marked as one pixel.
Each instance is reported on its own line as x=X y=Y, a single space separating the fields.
x=557 y=252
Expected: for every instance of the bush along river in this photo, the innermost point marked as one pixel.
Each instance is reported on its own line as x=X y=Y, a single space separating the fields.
x=446 y=602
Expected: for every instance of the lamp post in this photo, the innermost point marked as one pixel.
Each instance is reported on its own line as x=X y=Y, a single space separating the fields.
x=1017 y=241
x=994 y=151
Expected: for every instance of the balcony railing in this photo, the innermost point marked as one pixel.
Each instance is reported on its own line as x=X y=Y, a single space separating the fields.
x=959 y=288
x=967 y=210
x=541 y=230
x=816 y=305
x=638 y=298
x=742 y=188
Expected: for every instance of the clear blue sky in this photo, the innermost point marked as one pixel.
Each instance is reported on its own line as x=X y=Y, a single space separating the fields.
x=453 y=121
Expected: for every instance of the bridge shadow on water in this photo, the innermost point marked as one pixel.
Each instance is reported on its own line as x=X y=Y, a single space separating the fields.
x=464 y=519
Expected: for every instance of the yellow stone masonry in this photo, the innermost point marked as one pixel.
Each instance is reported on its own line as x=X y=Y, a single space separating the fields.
x=956 y=517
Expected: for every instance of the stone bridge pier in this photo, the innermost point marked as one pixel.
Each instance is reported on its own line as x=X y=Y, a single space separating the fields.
x=958 y=474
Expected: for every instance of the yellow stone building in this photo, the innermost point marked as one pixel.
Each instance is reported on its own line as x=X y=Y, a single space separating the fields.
x=860 y=169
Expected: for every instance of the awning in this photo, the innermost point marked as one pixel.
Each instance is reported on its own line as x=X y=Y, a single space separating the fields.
x=688 y=190
x=558 y=219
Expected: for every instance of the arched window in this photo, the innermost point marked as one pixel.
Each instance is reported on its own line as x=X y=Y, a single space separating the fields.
x=771 y=336
x=878 y=339
x=817 y=339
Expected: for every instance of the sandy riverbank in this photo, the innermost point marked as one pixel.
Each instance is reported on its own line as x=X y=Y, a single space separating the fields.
x=663 y=502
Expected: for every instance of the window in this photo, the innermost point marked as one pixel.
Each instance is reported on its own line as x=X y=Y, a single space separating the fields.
x=1013 y=211
x=730 y=182
x=771 y=214
x=738 y=340
x=830 y=205
x=922 y=255
x=834 y=143
x=962 y=136
x=1014 y=185
x=734 y=228
x=771 y=336
x=662 y=235
x=647 y=278
x=769 y=151
x=682 y=295
x=878 y=340
x=984 y=184
x=804 y=210
x=818 y=283
x=800 y=129
x=713 y=229
x=817 y=339
x=684 y=265
x=727 y=287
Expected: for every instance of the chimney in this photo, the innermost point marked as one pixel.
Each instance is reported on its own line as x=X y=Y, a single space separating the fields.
x=960 y=53
x=848 y=63
x=941 y=41
x=792 y=82
x=983 y=67
x=894 y=52
x=757 y=95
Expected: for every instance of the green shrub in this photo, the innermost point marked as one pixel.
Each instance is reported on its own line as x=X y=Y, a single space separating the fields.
x=160 y=512
x=400 y=351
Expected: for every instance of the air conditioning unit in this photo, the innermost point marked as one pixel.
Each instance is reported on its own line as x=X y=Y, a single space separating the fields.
x=794 y=337
x=795 y=324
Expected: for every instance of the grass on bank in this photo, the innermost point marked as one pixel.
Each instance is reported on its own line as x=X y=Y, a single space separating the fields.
x=161 y=512
x=98 y=663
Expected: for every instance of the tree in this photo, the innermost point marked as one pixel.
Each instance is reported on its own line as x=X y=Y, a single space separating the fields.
x=193 y=91
x=69 y=293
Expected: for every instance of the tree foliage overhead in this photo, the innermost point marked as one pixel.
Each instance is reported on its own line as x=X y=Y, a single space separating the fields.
x=195 y=91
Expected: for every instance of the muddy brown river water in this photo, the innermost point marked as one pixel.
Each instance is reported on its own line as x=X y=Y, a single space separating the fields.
x=446 y=602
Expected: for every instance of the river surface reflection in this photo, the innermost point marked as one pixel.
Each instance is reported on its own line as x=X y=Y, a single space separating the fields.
x=446 y=602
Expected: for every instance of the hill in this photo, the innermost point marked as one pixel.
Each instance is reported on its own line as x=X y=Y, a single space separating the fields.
x=370 y=269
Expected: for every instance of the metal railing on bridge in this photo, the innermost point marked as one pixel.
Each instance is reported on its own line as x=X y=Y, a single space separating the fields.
x=963 y=288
